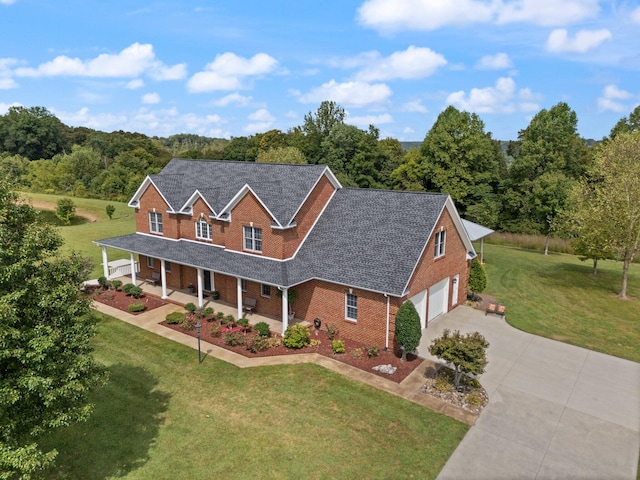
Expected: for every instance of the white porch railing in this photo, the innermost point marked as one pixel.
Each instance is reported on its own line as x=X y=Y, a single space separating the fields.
x=119 y=268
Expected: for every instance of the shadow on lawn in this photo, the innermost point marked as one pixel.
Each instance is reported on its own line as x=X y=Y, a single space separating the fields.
x=117 y=437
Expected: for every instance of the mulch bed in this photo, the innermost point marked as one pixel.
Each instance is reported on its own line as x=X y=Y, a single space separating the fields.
x=121 y=301
x=352 y=356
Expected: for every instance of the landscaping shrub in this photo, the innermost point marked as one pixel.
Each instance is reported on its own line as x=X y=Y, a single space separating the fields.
x=356 y=353
x=337 y=346
x=137 y=307
x=135 y=292
x=188 y=322
x=234 y=339
x=372 y=351
x=296 y=336
x=229 y=319
x=174 y=318
x=243 y=322
x=215 y=330
x=116 y=284
x=127 y=287
x=103 y=282
x=332 y=331
x=219 y=316
x=477 y=277
x=408 y=331
x=208 y=311
x=190 y=307
x=258 y=344
x=262 y=328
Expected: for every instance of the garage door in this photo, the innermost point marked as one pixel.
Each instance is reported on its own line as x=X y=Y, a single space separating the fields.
x=438 y=299
x=420 y=302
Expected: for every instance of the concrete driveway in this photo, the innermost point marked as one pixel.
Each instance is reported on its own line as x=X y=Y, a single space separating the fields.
x=555 y=411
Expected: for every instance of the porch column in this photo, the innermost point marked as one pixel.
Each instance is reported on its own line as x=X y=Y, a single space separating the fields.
x=163 y=278
x=133 y=268
x=285 y=309
x=239 y=295
x=105 y=262
x=200 y=283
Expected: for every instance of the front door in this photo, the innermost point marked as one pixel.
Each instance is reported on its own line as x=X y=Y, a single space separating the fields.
x=207 y=280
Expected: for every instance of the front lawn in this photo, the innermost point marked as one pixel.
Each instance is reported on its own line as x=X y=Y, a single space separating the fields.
x=163 y=416
x=556 y=296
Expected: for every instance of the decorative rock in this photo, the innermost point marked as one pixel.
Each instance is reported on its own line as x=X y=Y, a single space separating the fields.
x=388 y=369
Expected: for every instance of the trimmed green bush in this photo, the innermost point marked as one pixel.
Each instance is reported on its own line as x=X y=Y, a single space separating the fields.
x=208 y=311
x=408 y=331
x=127 y=287
x=190 y=307
x=103 y=282
x=174 y=318
x=229 y=319
x=135 y=292
x=337 y=346
x=243 y=322
x=116 y=284
x=262 y=328
x=296 y=336
x=477 y=277
x=137 y=307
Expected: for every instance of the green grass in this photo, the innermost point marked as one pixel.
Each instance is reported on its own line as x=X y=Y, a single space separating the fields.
x=556 y=296
x=163 y=416
x=79 y=236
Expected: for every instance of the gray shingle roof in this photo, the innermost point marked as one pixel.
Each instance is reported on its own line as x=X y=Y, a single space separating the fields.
x=282 y=188
x=370 y=239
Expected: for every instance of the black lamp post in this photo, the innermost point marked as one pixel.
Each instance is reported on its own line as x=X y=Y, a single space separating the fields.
x=198 y=327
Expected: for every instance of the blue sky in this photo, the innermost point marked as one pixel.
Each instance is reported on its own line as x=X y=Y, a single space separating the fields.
x=225 y=69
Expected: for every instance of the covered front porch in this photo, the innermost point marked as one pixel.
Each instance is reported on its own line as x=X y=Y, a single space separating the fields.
x=182 y=297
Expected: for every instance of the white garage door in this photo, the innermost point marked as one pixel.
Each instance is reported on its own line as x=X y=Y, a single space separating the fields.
x=420 y=302
x=438 y=299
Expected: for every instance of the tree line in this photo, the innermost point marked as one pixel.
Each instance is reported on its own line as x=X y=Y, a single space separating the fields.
x=532 y=186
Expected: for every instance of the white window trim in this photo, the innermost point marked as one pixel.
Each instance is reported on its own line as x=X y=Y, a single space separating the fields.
x=252 y=238
x=346 y=306
x=150 y=262
x=262 y=287
x=440 y=244
x=203 y=230
x=159 y=226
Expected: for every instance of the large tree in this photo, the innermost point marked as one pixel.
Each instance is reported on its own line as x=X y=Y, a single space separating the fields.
x=612 y=198
x=459 y=158
x=550 y=158
x=32 y=132
x=627 y=124
x=46 y=364
x=317 y=127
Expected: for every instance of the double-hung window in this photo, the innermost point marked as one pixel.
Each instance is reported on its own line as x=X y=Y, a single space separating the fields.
x=155 y=222
x=203 y=230
x=253 y=239
x=265 y=290
x=439 y=244
x=351 y=307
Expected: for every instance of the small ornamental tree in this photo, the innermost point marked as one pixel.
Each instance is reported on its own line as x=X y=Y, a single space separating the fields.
x=110 y=209
x=477 y=277
x=467 y=352
x=408 y=331
x=65 y=210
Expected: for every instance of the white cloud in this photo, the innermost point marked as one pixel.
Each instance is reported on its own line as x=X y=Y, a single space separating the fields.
x=414 y=62
x=134 y=84
x=7 y=2
x=228 y=70
x=6 y=82
x=151 y=98
x=366 y=120
x=398 y=15
x=394 y=15
x=414 y=106
x=349 y=94
x=584 y=40
x=133 y=61
x=499 y=61
x=635 y=15
x=4 y=107
x=609 y=99
x=503 y=98
x=262 y=121
x=233 y=98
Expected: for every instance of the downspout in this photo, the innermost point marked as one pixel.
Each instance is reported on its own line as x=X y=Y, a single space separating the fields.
x=386 y=344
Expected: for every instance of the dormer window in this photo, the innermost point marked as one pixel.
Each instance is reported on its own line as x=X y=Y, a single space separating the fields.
x=155 y=222
x=253 y=239
x=203 y=230
x=440 y=243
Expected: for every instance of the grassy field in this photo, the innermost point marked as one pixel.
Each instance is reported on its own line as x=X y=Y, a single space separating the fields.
x=163 y=416
x=80 y=234
x=556 y=296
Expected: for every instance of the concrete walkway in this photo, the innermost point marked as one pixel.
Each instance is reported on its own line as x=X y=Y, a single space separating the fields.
x=407 y=389
x=555 y=411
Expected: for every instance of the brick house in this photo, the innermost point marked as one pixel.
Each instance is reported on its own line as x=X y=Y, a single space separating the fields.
x=252 y=230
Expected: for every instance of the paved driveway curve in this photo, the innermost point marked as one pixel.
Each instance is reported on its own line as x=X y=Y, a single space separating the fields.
x=555 y=411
